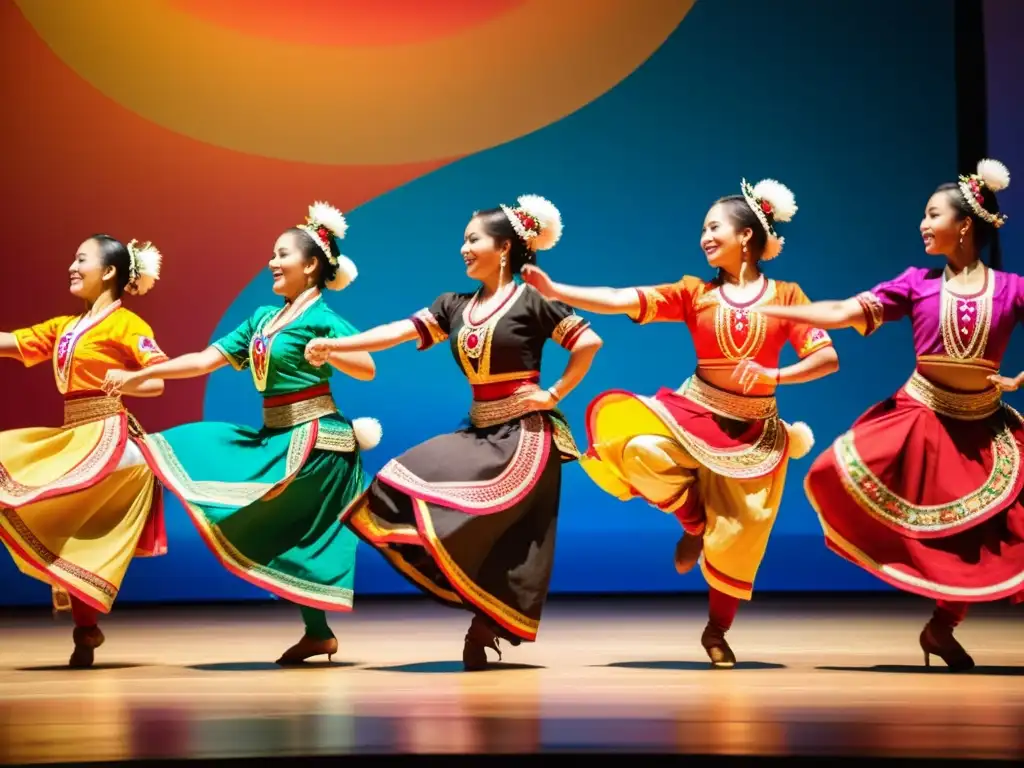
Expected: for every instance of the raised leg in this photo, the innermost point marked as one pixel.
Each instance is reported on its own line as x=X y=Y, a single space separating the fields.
x=664 y=473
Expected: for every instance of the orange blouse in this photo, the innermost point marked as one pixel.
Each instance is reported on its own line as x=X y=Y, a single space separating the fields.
x=725 y=332
x=84 y=349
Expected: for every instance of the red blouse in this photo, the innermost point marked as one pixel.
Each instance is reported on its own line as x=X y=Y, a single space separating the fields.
x=725 y=331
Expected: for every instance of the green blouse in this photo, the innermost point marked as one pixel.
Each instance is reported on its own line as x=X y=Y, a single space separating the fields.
x=278 y=362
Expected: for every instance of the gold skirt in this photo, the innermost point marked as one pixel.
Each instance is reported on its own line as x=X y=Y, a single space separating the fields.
x=78 y=502
x=715 y=460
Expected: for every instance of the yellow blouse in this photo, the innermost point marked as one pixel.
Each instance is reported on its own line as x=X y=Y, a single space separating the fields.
x=84 y=349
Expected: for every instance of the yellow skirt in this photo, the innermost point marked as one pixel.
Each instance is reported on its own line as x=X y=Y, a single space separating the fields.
x=728 y=487
x=76 y=505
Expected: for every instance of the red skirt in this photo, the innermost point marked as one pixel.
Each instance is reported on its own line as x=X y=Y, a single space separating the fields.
x=927 y=496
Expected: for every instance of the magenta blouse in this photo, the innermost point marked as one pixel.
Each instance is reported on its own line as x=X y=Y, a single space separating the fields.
x=945 y=323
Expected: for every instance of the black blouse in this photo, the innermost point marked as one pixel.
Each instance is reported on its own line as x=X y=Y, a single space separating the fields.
x=506 y=344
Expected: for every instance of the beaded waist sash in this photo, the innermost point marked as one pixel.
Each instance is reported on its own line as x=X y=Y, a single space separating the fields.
x=495 y=404
x=729 y=404
x=964 y=406
x=284 y=411
x=84 y=407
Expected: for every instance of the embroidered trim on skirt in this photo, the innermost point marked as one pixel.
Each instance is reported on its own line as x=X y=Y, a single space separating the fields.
x=470 y=517
x=78 y=502
x=924 y=491
x=265 y=500
x=714 y=459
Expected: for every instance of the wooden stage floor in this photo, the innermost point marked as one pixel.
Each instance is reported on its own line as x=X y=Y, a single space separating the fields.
x=841 y=677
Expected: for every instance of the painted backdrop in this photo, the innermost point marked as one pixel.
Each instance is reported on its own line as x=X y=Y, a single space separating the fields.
x=209 y=129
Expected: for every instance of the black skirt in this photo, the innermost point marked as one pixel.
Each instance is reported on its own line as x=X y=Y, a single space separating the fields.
x=469 y=517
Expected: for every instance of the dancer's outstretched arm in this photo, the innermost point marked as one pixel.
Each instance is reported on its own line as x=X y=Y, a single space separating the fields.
x=188 y=366
x=603 y=301
x=358 y=365
x=320 y=351
x=829 y=315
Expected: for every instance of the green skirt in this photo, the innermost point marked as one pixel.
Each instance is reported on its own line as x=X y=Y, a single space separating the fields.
x=266 y=501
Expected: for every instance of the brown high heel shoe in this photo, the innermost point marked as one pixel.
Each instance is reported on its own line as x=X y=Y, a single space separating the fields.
x=87 y=640
x=688 y=551
x=718 y=650
x=938 y=639
x=479 y=638
x=308 y=647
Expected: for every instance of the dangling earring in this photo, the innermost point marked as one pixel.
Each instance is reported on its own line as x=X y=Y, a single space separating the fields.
x=501 y=275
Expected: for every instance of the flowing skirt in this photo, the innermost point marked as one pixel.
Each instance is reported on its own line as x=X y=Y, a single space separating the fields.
x=715 y=460
x=924 y=491
x=470 y=517
x=78 y=502
x=266 y=501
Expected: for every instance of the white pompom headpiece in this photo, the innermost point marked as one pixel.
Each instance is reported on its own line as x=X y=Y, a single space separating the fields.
x=536 y=220
x=991 y=174
x=771 y=201
x=143 y=267
x=323 y=223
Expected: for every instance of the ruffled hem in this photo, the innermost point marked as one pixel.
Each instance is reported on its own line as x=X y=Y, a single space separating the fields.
x=755 y=449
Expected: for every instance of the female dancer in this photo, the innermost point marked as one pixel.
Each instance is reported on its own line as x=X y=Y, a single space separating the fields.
x=266 y=501
x=78 y=502
x=470 y=516
x=924 y=490
x=714 y=452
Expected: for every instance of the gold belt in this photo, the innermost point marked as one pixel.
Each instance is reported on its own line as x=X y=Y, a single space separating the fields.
x=294 y=414
x=963 y=406
x=490 y=413
x=82 y=410
x=729 y=404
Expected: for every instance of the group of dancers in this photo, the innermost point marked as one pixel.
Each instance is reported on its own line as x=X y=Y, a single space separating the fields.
x=924 y=490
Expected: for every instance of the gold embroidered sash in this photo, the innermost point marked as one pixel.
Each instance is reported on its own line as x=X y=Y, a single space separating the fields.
x=729 y=404
x=964 y=406
x=82 y=410
x=293 y=414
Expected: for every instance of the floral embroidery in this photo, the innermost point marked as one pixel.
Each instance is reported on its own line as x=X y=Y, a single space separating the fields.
x=876 y=498
x=740 y=332
x=813 y=340
x=965 y=323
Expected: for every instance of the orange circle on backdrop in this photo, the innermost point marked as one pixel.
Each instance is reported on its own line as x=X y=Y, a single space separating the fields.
x=347 y=22
x=443 y=97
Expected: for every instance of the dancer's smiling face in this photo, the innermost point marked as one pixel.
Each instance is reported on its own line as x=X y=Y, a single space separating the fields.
x=294 y=265
x=482 y=253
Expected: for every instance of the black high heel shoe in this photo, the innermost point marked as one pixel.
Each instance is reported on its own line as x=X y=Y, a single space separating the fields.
x=938 y=639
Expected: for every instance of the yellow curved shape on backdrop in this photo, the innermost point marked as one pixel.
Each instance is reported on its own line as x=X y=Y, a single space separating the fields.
x=442 y=98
